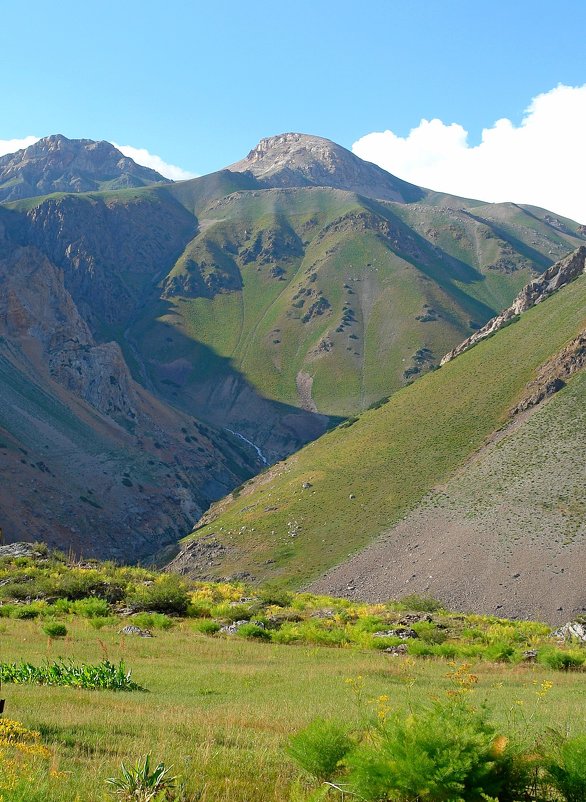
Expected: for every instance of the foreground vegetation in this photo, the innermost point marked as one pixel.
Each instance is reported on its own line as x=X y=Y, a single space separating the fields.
x=220 y=712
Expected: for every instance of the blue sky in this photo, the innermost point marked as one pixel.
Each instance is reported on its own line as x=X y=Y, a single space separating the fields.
x=199 y=83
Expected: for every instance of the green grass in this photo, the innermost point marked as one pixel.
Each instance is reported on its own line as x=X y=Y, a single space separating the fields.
x=391 y=456
x=221 y=710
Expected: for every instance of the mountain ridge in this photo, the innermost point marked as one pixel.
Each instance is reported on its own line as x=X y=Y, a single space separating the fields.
x=58 y=164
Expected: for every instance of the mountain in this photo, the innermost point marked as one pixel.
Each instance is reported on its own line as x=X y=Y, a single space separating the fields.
x=472 y=485
x=263 y=313
x=58 y=164
x=300 y=160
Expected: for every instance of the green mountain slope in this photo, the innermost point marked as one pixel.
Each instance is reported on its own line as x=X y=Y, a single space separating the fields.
x=301 y=290
x=314 y=509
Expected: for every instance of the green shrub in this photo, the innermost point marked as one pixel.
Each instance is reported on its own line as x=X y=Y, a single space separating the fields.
x=207 y=626
x=7 y=610
x=561 y=660
x=231 y=612
x=320 y=747
x=251 y=630
x=152 y=621
x=140 y=783
x=440 y=754
x=499 y=652
x=167 y=594
x=99 y=622
x=91 y=608
x=54 y=629
x=104 y=675
x=288 y=633
x=275 y=595
x=420 y=604
x=32 y=610
x=566 y=768
x=429 y=632
x=199 y=609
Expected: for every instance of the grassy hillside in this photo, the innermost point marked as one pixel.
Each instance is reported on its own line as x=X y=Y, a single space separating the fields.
x=311 y=511
x=300 y=290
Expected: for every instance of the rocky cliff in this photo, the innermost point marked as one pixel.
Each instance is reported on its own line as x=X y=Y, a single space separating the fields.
x=555 y=277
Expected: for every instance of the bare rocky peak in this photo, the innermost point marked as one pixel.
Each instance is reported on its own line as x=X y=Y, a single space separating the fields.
x=554 y=278
x=58 y=164
x=297 y=160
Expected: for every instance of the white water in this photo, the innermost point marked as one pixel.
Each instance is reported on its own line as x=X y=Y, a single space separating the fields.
x=246 y=440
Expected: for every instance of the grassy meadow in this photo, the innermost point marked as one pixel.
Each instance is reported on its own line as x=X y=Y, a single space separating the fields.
x=221 y=710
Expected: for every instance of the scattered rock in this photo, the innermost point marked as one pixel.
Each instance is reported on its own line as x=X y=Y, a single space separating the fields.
x=397 y=650
x=415 y=618
x=232 y=629
x=403 y=633
x=20 y=549
x=530 y=656
x=326 y=612
x=573 y=630
x=130 y=629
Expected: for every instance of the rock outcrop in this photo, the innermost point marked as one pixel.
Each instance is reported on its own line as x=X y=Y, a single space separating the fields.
x=554 y=278
x=552 y=376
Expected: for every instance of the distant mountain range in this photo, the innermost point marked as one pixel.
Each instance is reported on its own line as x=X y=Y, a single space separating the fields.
x=185 y=335
x=58 y=164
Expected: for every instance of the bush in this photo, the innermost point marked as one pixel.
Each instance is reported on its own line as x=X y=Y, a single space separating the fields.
x=420 y=604
x=54 y=629
x=199 y=609
x=231 y=612
x=444 y=753
x=104 y=675
x=273 y=594
x=561 y=660
x=99 y=622
x=566 y=769
x=26 y=611
x=167 y=594
x=251 y=630
x=90 y=608
x=320 y=747
x=207 y=626
x=152 y=621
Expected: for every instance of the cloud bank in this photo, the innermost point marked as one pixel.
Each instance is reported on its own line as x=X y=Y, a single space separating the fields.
x=540 y=162
x=146 y=159
x=12 y=145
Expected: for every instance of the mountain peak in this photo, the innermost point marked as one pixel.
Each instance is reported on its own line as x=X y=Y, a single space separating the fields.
x=296 y=160
x=58 y=164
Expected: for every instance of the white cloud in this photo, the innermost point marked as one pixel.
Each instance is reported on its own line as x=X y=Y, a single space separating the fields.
x=540 y=162
x=12 y=145
x=142 y=156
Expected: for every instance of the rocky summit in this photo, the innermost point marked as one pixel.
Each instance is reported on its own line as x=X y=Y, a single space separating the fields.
x=300 y=160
